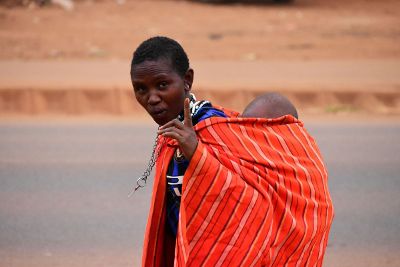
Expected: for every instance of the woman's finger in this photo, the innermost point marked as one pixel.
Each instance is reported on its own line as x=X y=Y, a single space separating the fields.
x=173 y=135
x=172 y=123
x=186 y=111
x=172 y=129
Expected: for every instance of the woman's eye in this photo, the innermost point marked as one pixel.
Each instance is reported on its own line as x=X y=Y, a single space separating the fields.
x=139 y=90
x=163 y=85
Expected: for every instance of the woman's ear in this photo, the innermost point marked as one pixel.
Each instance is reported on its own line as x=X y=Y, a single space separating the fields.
x=188 y=79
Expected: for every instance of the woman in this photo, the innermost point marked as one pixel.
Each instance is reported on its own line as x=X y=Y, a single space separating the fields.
x=228 y=191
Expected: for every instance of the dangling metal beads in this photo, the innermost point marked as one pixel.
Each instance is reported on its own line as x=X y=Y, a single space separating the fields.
x=141 y=182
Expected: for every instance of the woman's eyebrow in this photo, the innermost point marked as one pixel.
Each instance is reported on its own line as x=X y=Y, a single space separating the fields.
x=138 y=83
x=161 y=75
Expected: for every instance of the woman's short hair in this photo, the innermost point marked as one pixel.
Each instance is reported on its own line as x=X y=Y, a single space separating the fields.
x=161 y=47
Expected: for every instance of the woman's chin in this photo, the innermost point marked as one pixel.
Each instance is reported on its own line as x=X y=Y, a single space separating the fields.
x=160 y=121
x=162 y=118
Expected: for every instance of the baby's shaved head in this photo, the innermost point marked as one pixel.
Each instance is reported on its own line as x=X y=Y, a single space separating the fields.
x=269 y=105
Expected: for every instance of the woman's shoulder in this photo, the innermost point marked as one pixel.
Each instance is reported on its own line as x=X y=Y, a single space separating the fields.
x=228 y=112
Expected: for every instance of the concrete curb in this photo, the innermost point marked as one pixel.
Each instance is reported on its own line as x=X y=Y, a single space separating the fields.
x=121 y=102
x=78 y=88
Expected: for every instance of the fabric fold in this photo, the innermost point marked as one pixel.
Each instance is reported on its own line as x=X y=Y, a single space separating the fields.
x=254 y=194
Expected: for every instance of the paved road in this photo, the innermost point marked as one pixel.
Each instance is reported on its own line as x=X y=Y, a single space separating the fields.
x=63 y=193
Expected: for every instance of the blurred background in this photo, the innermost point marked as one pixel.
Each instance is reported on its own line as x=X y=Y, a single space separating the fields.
x=73 y=141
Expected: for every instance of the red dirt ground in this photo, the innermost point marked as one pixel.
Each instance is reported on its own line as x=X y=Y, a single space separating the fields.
x=306 y=29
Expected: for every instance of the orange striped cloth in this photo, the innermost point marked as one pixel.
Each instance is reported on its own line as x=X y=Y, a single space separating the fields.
x=255 y=194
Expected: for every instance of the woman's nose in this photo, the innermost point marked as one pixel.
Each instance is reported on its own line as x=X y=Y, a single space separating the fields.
x=154 y=98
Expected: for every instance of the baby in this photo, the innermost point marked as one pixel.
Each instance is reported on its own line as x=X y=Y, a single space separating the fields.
x=269 y=105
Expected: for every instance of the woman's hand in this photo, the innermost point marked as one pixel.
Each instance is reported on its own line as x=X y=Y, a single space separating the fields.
x=182 y=132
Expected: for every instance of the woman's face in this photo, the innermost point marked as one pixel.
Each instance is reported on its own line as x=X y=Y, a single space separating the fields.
x=160 y=90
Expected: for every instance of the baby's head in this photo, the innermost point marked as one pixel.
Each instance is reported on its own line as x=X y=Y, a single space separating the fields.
x=269 y=105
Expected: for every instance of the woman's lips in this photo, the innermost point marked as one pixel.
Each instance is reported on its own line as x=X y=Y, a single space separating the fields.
x=158 y=113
